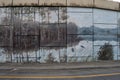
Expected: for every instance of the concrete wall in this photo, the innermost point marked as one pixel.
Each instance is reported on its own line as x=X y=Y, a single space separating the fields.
x=79 y=3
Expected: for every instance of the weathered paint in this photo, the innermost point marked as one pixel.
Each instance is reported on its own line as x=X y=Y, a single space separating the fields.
x=79 y=3
x=106 y=4
x=25 y=2
x=52 y=2
x=5 y=2
x=84 y=3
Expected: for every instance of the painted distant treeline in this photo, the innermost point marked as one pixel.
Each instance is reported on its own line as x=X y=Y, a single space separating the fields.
x=109 y=34
x=98 y=30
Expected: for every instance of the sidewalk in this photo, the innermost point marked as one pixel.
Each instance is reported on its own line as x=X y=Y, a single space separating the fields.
x=62 y=66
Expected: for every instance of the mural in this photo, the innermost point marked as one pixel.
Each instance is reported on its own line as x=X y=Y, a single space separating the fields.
x=57 y=34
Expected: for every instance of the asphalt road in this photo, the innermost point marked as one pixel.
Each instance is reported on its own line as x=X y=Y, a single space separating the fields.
x=78 y=74
x=117 y=77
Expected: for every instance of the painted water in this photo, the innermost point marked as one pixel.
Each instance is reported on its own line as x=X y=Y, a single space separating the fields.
x=84 y=51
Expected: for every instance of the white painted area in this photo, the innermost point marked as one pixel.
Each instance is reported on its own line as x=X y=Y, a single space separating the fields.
x=82 y=52
x=2 y=56
x=2 y=15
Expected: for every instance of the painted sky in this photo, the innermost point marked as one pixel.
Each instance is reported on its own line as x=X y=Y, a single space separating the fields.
x=83 y=17
x=86 y=17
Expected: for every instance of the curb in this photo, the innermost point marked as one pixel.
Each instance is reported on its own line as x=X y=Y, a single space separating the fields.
x=62 y=68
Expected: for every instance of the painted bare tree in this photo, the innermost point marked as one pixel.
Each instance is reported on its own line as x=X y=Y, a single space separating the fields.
x=23 y=33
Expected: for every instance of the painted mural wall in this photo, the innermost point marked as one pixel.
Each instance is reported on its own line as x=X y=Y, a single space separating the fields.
x=58 y=34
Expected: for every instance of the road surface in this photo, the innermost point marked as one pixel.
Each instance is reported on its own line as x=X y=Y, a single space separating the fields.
x=76 y=74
